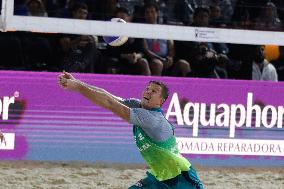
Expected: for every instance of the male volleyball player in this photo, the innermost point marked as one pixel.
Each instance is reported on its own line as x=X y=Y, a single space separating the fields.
x=153 y=134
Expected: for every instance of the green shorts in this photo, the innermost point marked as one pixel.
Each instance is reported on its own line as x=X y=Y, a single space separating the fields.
x=188 y=180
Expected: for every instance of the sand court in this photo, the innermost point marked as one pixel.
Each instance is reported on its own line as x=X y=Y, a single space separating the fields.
x=74 y=175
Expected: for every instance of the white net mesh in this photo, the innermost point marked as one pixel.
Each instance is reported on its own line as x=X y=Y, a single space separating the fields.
x=10 y=22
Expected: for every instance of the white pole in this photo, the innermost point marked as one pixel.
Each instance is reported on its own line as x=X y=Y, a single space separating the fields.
x=2 y=15
x=7 y=13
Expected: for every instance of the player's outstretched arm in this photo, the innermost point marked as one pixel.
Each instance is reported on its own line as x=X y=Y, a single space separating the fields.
x=97 y=95
x=70 y=76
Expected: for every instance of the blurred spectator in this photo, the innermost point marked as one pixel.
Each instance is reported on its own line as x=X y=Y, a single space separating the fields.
x=36 y=8
x=92 y=7
x=128 y=58
x=221 y=66
x=67 y=10
x=226 y=8
x=163 y=14
x=185 y=49
x=163 y=58
x=105 y=9
x=60 y=3
x=204 y=61
x=11 y=51
x=130 y=5
x=79 y=52
x=183 y=11
x=79 y=11
x=201 y=17
x=280 y=8
x=164 y=11
x=246 y=12
x=168 y=13
x=63 y=8
x=37 y=48
x=138 y=14
x=240 y=66
x=20 y=8
x=242 y=19
x=215 y=17
x=160 y=52
x=52 y=6
x=207 y=60
x=268 y=18
x=261 y=68
x=279 y=64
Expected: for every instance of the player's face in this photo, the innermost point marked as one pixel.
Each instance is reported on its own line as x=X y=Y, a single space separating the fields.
x=152 y=96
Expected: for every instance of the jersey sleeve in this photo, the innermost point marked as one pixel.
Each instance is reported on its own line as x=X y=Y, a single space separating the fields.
x=131 y=102
x=154 y=124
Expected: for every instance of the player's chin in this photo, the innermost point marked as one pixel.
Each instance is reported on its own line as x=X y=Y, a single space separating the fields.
x=144 y=102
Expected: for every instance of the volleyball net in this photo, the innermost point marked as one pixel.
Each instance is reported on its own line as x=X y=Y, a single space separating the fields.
x=11 y=22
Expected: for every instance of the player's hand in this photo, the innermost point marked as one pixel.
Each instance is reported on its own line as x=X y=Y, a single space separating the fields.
x=69 y=84
x=67 y=75
x=62 y=77
x=67 y=81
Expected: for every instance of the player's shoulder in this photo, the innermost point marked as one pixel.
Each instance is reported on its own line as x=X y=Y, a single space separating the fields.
x=132 y=102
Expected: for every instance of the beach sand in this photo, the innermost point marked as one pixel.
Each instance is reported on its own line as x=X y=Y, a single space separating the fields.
x=76 y=175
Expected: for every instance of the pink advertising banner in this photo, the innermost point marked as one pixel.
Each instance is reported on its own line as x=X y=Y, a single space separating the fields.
x=217 y=122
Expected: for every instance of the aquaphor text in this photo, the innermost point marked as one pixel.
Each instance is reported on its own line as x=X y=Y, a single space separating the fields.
x=224 y=115
x=4 y=106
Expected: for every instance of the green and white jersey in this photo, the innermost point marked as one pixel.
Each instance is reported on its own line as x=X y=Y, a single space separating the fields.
x=154 y=137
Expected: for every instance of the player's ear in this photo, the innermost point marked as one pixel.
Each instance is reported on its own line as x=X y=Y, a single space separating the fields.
x=162 y=100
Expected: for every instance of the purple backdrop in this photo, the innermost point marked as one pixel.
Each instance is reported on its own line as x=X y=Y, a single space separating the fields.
x=56 y=125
